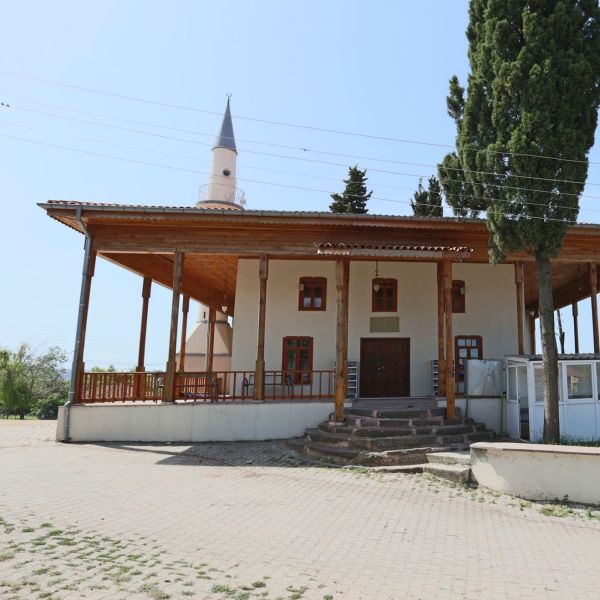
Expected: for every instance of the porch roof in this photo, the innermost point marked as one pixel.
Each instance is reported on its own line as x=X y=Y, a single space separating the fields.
x=144 y=238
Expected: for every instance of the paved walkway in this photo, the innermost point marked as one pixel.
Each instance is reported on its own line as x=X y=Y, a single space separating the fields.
x=252 y=520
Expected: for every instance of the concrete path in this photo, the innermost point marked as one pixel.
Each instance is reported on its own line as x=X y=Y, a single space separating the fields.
x=251 y=520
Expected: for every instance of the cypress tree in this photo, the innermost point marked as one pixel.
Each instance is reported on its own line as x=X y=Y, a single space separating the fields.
x=524 y=130
x=355 y=197
x=428 y=203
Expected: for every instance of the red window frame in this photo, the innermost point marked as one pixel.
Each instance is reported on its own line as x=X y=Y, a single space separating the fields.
x=307 y=287
x=458 y=296
x=298 y=374
x=388 y=290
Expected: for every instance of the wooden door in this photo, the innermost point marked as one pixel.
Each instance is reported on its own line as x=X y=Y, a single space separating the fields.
x=384 y=367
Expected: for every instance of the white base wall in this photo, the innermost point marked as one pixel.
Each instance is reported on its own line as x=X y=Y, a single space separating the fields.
x=192 y=422
x=538 y=471
x=489 y=411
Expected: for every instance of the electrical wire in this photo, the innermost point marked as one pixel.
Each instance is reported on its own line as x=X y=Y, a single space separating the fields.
x=331 y=163
x=281 y=123
x=286 y=146
x=146 y=163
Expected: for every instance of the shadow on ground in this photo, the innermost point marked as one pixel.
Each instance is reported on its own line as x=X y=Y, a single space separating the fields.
x=273 y=453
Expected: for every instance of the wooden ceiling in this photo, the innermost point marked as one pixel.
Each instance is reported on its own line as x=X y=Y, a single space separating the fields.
x=143 y=239
x=207 y=278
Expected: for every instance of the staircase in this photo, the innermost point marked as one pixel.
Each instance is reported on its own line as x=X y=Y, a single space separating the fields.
x=390 y=432
x=453 y=466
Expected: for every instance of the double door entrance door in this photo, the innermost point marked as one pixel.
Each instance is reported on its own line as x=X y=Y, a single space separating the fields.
x=384 y=367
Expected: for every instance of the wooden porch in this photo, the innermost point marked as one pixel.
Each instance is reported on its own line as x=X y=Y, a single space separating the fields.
x=194 y=253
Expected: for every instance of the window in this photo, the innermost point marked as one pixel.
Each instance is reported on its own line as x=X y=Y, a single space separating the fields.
x=465 y=347
x=458 y=296
x=297 y=359
x=579 y=381
x=312 y=293
x=384 y=295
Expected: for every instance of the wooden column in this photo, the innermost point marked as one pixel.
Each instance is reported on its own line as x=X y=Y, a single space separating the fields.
x=450 y=385
x=89 y=265
x=146 y=291
x=440 y=331
x=210 y=339
x=532 y=333
x=259 y=372
x=593 y=292
x=170 y=375
x=342 y=277
x=576 y=326
x=520 y=289
x=185 y=307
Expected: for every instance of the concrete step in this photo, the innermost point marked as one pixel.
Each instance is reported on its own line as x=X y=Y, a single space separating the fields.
x=455 y=473
x=433 y=428
x=397 y=413
x=362 y=421
x=450 y=458
x=340 y=455
x=416 y=441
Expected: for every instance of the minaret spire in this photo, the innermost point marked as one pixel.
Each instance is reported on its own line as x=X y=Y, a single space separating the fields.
x=226 y=139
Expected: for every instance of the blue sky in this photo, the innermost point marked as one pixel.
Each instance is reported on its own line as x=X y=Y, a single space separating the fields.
x=380 y=68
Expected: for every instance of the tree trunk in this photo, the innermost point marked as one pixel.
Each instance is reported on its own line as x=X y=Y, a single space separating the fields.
x=549 y=352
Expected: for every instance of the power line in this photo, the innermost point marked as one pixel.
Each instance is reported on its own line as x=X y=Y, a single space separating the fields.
x=146 y=163
x=189 y=157
x=279 y=171
x=282 y=123
x=286 y=146
x=375 y=170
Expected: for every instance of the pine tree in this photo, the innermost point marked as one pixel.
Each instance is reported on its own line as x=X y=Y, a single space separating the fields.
x=428 y=203
x=355 y=197
x=533 y=93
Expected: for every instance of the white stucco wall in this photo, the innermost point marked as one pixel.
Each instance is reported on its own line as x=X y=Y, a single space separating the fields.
x=219 y=422
x=538 y=471
x=490 y=311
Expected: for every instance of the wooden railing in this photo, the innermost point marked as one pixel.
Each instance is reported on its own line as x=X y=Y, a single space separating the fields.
x=121 y=387
x=217 y=386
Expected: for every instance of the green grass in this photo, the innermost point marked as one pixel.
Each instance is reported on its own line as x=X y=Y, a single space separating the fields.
x=556 y=510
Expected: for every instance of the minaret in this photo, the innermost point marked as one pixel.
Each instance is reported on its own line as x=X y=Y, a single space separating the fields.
x=222 y=191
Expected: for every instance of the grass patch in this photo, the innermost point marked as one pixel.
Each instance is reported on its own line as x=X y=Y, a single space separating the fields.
x=556 y=510
x=258 y=584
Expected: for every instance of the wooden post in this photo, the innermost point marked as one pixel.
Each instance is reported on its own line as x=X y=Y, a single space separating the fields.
x=89 y=266
x=170 y=375
x=259 y=372
x=146 y=291
x=440 y=331
x=576 y=326
x=593 y=292
x=342 y=277
x=210 y=339
x=450 y=385
x=532 y=333
x=141 y=366
x=185 y=307
x=520 y=306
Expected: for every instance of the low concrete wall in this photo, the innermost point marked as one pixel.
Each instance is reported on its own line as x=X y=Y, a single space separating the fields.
x=538 y=471
x=482 y=410
x=192 y=422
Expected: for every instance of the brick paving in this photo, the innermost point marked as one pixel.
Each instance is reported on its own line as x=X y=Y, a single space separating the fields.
x=253 y=520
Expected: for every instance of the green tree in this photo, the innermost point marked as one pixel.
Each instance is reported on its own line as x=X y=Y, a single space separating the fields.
x=524 y=130
x=355 y=197
x=428 y=203
x=26 y=378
